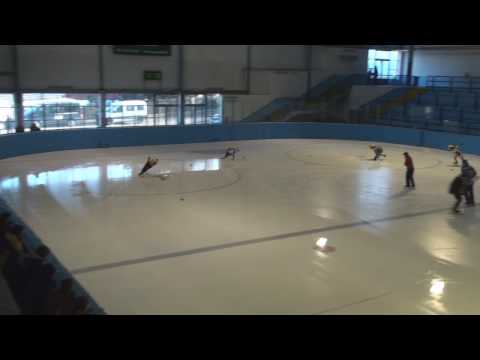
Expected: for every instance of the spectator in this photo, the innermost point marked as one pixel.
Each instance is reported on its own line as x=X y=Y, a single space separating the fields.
x=370 y=76
x=410 y=170
x=29 y=266
x=80 y=306
x=457 y=189
x=67 y=307
x=469 y=174
x=59 y=297
x=34 y=127
x=14 y=239
x=4 y=218
x=36 y=293
x=4 y=252
x=14 y=248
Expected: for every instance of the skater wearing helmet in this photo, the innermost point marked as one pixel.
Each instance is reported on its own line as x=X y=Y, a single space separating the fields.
x=470 y=175
x=150 y=164
x=378 y=152
x=231 y=152
x=457 y=189
x=457 y=154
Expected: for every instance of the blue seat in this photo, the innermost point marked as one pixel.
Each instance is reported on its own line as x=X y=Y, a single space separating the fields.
x=466 y=102
x=471 y=117
x=452 y=115
x=447 y=100
x=428 y=99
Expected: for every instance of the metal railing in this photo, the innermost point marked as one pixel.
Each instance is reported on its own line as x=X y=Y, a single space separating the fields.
x=456 y=120
x=452 y=83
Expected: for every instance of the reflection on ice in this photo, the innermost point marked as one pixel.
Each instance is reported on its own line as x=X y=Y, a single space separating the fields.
x=204 y=165
x=119 y=172
x=64 y=176
x=437 y=288
x=10 y=184
x=92 y=176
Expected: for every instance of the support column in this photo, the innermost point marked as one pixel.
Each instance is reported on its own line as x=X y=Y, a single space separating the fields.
x=309 y=60
x=249 y=67
x=411 y=53
x=181 y=83
x=101 y=79
x=18 y=93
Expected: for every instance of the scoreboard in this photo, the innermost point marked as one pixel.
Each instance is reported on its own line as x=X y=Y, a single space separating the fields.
x=149 y=50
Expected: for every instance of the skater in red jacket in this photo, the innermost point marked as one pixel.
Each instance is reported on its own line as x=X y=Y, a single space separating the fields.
x=410 y=170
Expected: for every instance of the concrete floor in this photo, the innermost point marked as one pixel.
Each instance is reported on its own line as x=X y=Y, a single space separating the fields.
x=242 y=240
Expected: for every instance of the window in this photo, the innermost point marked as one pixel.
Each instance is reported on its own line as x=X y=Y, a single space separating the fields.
x=167 y=110
x=203 y=109
x=7 y=114
x=129 y=110
x=55 y=111
x=166 y=100
x=386 y=62
x=214 y=109
x=61 y=111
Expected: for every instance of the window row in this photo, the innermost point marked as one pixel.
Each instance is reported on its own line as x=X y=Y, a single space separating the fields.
x=62 y=111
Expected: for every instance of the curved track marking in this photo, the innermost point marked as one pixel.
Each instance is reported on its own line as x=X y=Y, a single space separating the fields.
x=373 y=298
x=235 y=181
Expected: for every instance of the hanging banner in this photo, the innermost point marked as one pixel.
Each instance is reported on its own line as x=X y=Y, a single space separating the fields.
x=149 y=50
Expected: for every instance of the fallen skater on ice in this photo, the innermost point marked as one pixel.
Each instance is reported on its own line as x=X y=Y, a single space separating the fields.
x=149 y=165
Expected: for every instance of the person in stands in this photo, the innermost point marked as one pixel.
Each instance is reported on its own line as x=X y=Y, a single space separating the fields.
x=58 y=298
x=34 y=127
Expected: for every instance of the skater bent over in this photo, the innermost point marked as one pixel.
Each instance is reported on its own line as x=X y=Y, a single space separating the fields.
x=457 y=154
x=150 y=164
x=231 y=152
x=378 y=152
x=457 y=189
x=410 y=170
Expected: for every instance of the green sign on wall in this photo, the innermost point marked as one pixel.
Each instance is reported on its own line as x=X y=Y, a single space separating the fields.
x=152 y=75
x=153 y=50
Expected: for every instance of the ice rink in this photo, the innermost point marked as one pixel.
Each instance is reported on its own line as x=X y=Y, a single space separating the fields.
x=238 y=237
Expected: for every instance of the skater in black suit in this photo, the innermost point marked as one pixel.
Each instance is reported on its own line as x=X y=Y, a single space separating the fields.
x=457 y=189
x=470 y=175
